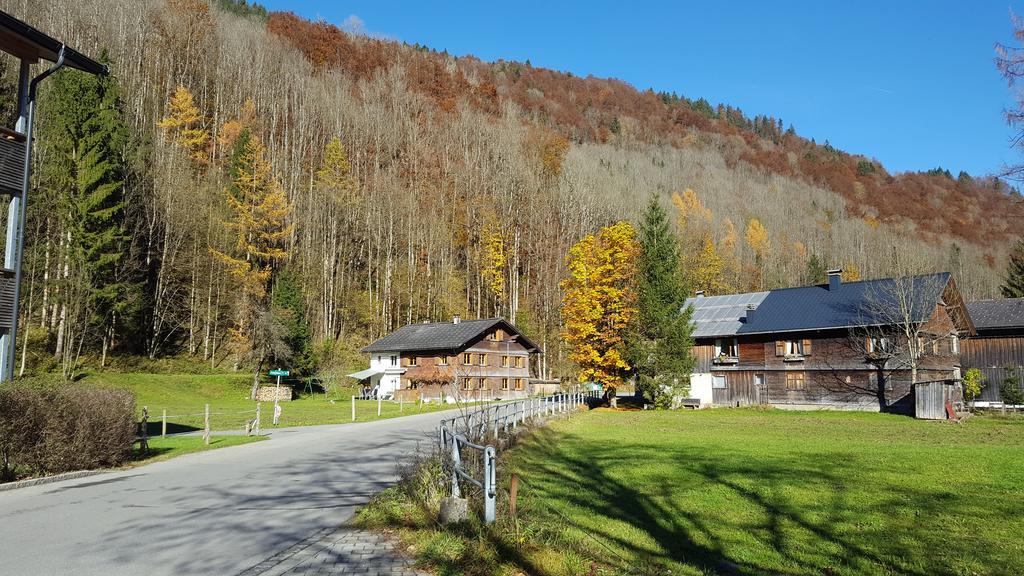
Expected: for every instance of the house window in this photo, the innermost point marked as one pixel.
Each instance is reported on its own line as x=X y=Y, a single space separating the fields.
x=520 y=383
x=394 y=360
x=467 y=358
x=467 y=383
x=499 y=335
x=759 y=380
x=795 y=381
x=504 y=361
x=718 y=382
x=954 y=344
x=519 y=361
x=794 y=348
x=412 y=361
x=482 y=358
x=442 y=360
x=879 y=345
x=726 y=347
x=504 y=383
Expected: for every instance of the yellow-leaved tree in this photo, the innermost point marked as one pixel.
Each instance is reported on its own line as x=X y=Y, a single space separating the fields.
x=708 y=271
x=599 y=304
x=757 y=239
x=184 y=123
x=494 y=263
x=259 y=221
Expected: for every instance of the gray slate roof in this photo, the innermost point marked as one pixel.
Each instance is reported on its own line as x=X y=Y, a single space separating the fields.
x=804 y=308
x=1000 y=314
x=443 y=336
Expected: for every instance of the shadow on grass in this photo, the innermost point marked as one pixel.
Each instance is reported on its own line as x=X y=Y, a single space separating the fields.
x=723 y=513
x=153 y=429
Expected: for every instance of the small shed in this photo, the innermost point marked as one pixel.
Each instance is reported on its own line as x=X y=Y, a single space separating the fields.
x=934 y=400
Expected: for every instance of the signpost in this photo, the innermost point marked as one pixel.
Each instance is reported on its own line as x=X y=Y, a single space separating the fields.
x=277 y=392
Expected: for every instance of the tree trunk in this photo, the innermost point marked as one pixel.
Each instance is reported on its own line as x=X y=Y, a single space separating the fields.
x=256 y=376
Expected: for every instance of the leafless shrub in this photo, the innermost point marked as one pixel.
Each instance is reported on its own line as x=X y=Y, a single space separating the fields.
x=56 y=429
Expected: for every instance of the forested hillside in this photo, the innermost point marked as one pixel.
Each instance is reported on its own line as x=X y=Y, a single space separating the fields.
x=248 y=185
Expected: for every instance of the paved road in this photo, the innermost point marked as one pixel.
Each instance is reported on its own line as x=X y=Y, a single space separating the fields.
x=224 y=512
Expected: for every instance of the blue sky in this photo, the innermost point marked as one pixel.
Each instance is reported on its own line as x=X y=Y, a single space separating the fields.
x=911 y=83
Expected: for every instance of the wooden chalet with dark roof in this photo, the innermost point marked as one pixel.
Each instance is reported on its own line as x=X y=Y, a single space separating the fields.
x=461 y=359
x=823 y=346
x=998 y=345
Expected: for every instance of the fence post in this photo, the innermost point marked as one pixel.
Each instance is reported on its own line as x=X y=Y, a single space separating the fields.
x=144 y=441
x=378 y=403
x=513 y=495
x=259 y=407
x=353 y=407
x=206 y=425
x=401 y=403
x=489 y=477
x=456 y=462
x=163 y=424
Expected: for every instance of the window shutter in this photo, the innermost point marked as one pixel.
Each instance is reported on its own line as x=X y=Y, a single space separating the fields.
x=807 y=347
x=780 y=348
x=869 y=344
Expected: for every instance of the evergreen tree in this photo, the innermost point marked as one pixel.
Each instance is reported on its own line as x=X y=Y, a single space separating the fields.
x=289 y=308
x=1013 y=283
x=83 y=186
x=816 y=271
x=661 y=351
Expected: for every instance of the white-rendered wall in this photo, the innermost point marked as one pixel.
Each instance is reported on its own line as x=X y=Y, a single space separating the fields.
x=700 y=387
x=390 y=364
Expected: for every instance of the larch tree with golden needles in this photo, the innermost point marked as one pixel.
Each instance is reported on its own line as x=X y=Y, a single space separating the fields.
x=599 y=303
x=184 y=123
x=259 y=221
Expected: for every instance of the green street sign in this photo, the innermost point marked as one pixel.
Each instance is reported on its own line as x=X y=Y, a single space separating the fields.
x=278 y=372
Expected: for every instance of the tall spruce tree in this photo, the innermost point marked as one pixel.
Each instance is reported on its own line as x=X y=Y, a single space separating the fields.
x=1013 y=283
x=662 y=348
x=83 y=180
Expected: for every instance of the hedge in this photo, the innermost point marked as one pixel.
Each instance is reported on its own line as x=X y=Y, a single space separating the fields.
x=61 y=429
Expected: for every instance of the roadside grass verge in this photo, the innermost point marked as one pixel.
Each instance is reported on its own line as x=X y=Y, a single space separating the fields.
x=740 y=492
x=173 y=446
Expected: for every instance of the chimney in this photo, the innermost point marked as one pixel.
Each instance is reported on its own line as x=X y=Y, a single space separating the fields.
x=700 y=293
x=835 y=278
x=750 y=311
x=456 y=319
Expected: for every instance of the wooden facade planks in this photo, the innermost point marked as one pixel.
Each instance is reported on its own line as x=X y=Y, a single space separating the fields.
x=992 y=355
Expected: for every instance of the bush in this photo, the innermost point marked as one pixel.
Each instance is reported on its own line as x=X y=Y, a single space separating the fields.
x=974 y=381
x=1011 y=387
x=53 y=429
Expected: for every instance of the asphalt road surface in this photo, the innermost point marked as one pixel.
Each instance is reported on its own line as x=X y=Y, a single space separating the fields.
x=220 y=512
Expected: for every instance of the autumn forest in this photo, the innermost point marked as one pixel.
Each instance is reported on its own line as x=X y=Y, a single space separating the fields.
x=262 y=186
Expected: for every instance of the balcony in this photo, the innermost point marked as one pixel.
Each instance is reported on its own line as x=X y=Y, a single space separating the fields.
x=723 y=360
x=794 y=358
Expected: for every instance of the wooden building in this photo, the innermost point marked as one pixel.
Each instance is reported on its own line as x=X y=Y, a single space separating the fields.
x=998 y=345
x=468 y=360
x=825 y=346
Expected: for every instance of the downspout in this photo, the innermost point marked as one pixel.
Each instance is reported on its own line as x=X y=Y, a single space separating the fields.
x=19 y=233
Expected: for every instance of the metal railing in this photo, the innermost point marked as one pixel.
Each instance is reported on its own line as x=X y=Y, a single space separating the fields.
x=474 y=428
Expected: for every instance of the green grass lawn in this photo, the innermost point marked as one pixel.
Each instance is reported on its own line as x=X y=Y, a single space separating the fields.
x=171 y=446
x=184 y=397
x=747 y=492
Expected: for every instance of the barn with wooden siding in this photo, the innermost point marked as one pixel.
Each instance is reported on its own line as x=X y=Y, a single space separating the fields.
x=804 y=347
x=998 y=345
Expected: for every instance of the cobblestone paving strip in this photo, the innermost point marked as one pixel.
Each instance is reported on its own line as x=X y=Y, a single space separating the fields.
x=346 y=550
